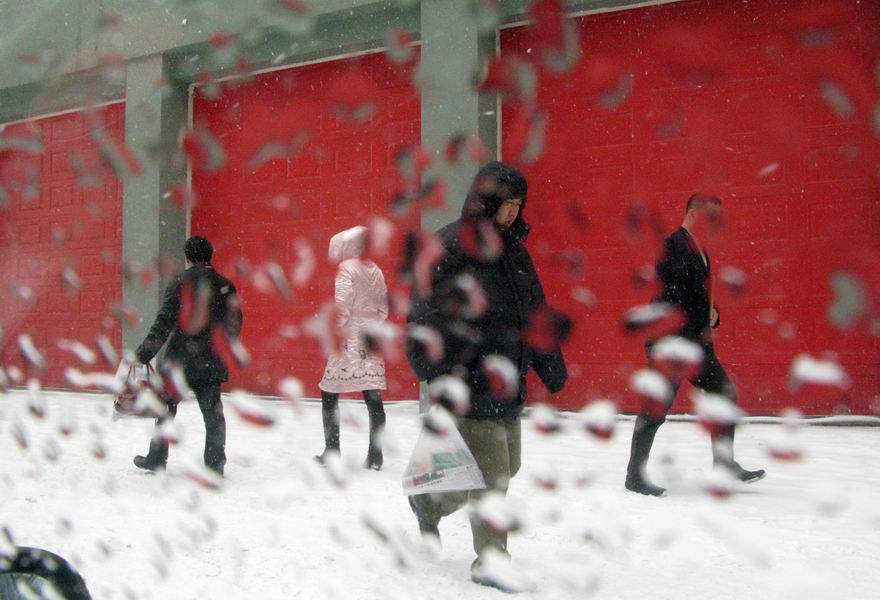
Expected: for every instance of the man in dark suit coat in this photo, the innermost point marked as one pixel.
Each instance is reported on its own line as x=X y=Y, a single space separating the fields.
x=196 y=304
x=685 y=273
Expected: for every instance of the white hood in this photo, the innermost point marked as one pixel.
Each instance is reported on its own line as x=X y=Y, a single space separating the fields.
x=347 y=244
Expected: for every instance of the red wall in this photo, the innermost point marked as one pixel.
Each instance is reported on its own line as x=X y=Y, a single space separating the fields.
x=344 y=174
x=795 y=178
x=63 y=220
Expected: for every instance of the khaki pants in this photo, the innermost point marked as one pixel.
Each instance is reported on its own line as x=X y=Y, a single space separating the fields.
x=497 y=448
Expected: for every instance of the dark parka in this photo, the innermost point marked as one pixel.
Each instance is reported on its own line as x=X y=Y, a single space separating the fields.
x=685 y=278
x=194 y=351
x=513 y=292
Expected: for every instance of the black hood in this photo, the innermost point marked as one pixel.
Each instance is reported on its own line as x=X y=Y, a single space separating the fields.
x=493 y=184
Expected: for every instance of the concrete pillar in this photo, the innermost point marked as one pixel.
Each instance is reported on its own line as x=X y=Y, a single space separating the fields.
x=153 y=227
x=453 y=51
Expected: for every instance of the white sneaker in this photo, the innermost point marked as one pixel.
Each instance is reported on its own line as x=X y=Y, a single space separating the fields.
x=494 y=569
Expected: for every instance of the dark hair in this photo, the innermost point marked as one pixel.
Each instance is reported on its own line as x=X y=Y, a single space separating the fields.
x=699 y=201
x=495 y=183
x=198 y=249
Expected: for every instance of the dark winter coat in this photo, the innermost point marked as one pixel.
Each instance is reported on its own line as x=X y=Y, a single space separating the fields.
x=685 y=278
x=513 y=292
x=194 y=351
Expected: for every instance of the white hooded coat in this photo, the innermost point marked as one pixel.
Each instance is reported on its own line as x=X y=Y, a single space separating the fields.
x=361 y=298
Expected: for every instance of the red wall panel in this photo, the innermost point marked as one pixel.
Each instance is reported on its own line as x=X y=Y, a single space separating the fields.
x=55 y=218
x=342 y=174
x=799 y=199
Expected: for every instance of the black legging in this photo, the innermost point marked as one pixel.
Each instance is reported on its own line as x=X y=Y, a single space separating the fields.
x=330 y=415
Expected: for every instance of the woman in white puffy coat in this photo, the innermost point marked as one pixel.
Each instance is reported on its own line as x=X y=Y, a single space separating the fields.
x=361 y=299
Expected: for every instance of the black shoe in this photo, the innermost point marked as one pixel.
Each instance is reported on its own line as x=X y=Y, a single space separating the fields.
x=147 y=464
x=427 y=527
x=722 y=455
x=641 y=486
x=746 y=476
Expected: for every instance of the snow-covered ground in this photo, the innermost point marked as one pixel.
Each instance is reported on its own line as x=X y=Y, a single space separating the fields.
x=280 y=528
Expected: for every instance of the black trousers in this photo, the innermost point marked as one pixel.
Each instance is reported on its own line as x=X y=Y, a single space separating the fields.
x=712 y=378
x=208 y=396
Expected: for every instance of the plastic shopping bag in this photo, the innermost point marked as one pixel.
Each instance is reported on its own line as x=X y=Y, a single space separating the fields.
x=441 y=461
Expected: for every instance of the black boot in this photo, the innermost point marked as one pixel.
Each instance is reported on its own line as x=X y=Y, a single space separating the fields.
x=374 y=457
x=157 y=457
x=642 y=440
x=722 y=455
x=377 y=428
x=147 y=463
x=330 y=418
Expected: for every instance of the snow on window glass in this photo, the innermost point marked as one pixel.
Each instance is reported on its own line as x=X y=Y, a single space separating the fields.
x=430 y=297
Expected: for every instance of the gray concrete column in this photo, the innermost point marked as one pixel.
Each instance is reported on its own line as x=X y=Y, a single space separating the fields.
x=153 y=227
x=453 y=51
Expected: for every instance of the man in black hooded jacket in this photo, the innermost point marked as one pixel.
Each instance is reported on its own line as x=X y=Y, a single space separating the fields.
x=484 y=294
x=198 y=305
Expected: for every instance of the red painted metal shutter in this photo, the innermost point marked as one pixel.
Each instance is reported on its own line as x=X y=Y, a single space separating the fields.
x=799 y=200
x=63 y=211
x=339 y=173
